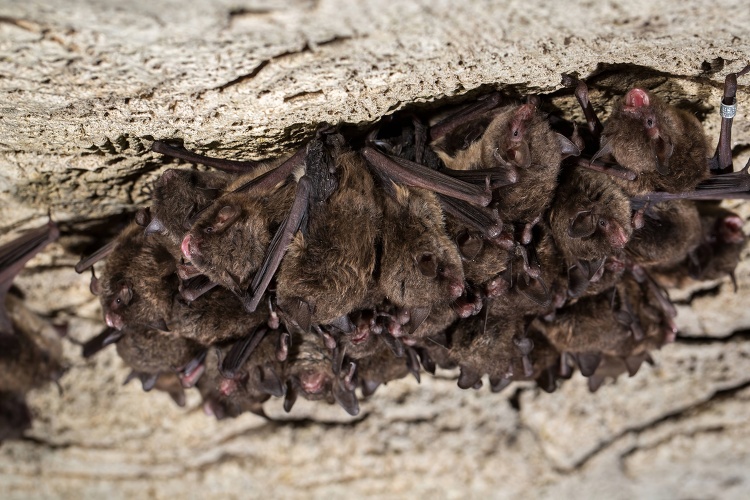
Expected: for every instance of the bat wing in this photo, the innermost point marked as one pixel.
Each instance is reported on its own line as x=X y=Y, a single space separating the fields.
x=415 y=175
x=14 y=256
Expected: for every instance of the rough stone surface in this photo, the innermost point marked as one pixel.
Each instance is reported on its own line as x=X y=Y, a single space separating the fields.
x=86 y=85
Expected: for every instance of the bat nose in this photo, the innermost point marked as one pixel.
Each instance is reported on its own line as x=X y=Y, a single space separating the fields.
x=456 y=289
x=189 y=248
x=313 y=382
x=618 y=238
x=731 y=229
x=636 y=98
x=113 y=320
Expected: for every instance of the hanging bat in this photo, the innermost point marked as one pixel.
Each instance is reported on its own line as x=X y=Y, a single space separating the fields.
x=30 y=349
x=329 y=266
x=31 y=353
x=590 y=219
x=177 y=197
x=716 y=255
x=313 y=375
x=151 y=353
x=671 y=229
x=663 y=145
x=420 y=267
x=138 y=282
x=516 y=139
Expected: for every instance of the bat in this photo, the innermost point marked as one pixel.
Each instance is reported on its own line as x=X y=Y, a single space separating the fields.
x=151 y=353
x=311 y=373
x=591 y=222
x=671 y=229
x=30 y=348
x=138 y=281
x=716 y=255
x=420 y=267
x=328 y=269
x=179 y=195
x=517 y=139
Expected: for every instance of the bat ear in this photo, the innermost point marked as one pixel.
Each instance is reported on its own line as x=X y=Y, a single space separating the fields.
x=291 y=397
x=588 y=362
x=567 y=147
x=270 y=383
x=143 y=217
x=469 y=245
x=582 y=225
x=605 y=150
x=346 y=398
x=427 y=264
x=468 y=378
x=95 y=287
x=519 y=155
x=535 y=290
x=226 y=216
x=577 y=282
x=155 y=226
x=663 y=149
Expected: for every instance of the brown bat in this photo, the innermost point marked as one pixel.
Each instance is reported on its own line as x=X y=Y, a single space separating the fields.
x=590 y=219
x=420 y=268
x=622 y=324
x=151 y=353
x=313 y=374
x=138 y=282
x=717 y=254
x=519 y=139
x=671 y=229
x=232 y=240
x=499 y=347
x=177 y=196
x=30 y=349
x=251 y=370
x=215 y=318
x=665 y=146
x=328 y=269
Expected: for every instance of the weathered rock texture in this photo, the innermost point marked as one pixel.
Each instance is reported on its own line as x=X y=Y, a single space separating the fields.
x=85 y=87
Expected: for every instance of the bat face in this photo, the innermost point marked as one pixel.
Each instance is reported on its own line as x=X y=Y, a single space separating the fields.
x=590 y=217
x=229 y=240
x=178 y=196
x=421 y=266
x=663 y=145
x=228 y=229
x=138 y=282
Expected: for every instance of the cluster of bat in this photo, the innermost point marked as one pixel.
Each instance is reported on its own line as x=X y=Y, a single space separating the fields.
x=499 y=240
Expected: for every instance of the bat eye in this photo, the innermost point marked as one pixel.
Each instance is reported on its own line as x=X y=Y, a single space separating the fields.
x=603 y=223
x=209 y=230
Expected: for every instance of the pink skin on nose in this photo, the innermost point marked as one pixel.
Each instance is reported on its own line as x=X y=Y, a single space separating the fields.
x=730 y=229
x=313 y=383
x=113 y=320
x=636 y=98
x=185 y=247
x=617 y=236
